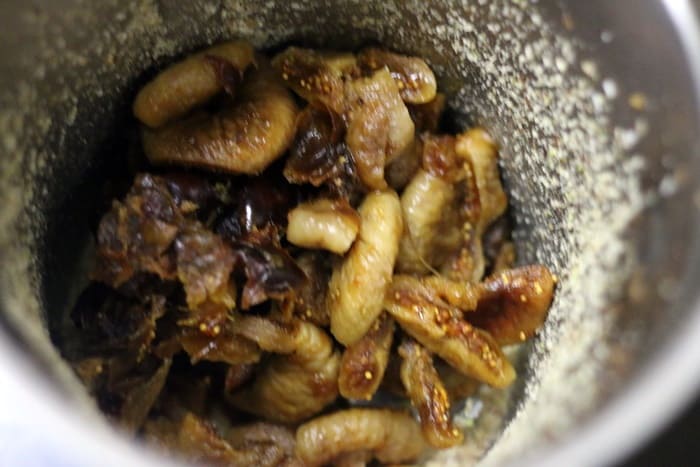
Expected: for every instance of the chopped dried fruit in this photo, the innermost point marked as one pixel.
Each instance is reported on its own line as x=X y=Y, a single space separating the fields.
x=318 y=153
x=428 y=395
x=325 y=224
x=310 y=300
x=204 y=264
x=269 y=270
x=358 y=284
x=291 y=388
x=439 y=327
x=513 y=303
x=189 y=83
x=413 y=76
x=243 y=138
x=316 y=76
x=269 y=285
x=390 y=436
x=364 y=362
x=379 y=126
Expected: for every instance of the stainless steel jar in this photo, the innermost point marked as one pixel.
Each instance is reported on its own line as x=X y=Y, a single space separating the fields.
x=596 y=107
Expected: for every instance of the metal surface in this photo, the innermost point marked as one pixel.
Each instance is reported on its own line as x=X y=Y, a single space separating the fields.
x=598 y=120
